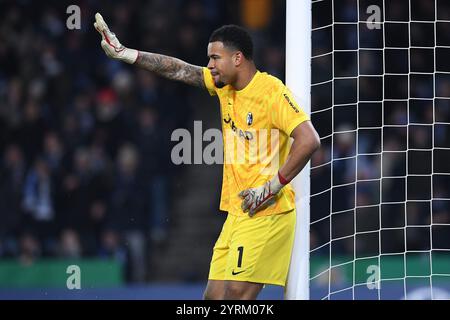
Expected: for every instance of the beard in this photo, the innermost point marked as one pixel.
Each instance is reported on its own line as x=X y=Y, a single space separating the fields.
x=220 y=84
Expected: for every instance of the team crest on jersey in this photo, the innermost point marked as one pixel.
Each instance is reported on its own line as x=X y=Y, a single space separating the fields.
x=249 y=119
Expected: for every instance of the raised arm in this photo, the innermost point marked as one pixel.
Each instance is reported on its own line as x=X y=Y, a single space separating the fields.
x=171 y=68
x=165 y=66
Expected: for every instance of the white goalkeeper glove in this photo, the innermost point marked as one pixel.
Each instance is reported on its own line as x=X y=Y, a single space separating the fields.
x=111 y=44
x=257 y=199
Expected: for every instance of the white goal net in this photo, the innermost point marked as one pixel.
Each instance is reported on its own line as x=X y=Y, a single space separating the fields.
x=380 y=185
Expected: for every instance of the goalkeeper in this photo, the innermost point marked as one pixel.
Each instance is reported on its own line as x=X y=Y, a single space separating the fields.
x=255 y=244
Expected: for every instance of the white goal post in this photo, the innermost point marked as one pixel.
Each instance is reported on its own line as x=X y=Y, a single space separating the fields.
x=298 y=79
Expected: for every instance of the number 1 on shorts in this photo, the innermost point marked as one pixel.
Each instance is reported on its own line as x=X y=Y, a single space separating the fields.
x=241 y=253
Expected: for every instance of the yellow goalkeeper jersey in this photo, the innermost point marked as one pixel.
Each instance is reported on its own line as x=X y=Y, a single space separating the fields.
x=257 y=122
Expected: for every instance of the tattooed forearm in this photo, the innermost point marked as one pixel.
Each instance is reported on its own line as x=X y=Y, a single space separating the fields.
x=171 y=68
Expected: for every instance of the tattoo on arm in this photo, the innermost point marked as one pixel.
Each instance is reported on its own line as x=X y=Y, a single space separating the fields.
x=171 y=68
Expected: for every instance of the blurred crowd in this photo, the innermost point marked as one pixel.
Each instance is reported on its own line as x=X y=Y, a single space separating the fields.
x=85 y=166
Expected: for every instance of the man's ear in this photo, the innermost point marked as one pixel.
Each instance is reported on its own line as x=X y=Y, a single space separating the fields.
x=238 y=58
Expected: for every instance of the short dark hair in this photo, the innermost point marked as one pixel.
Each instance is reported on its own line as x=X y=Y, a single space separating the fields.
x=235 y=37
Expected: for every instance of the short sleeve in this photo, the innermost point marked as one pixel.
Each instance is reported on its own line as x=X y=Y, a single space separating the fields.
x=286 y=113
x=209 y=82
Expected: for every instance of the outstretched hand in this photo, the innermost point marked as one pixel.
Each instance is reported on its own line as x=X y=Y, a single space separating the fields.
x=111 y=45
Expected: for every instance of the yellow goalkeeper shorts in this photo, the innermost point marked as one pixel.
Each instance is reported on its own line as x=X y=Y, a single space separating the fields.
x=254 y=249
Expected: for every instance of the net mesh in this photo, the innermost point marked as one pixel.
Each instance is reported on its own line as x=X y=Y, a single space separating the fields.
x=380 y=185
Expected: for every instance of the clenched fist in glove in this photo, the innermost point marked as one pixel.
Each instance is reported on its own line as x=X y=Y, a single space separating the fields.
x=111 y=44
x=257 y=199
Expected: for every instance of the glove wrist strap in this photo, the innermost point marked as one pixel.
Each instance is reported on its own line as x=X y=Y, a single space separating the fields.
x=275 y=184
x=282 y=179
x=130 y=55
